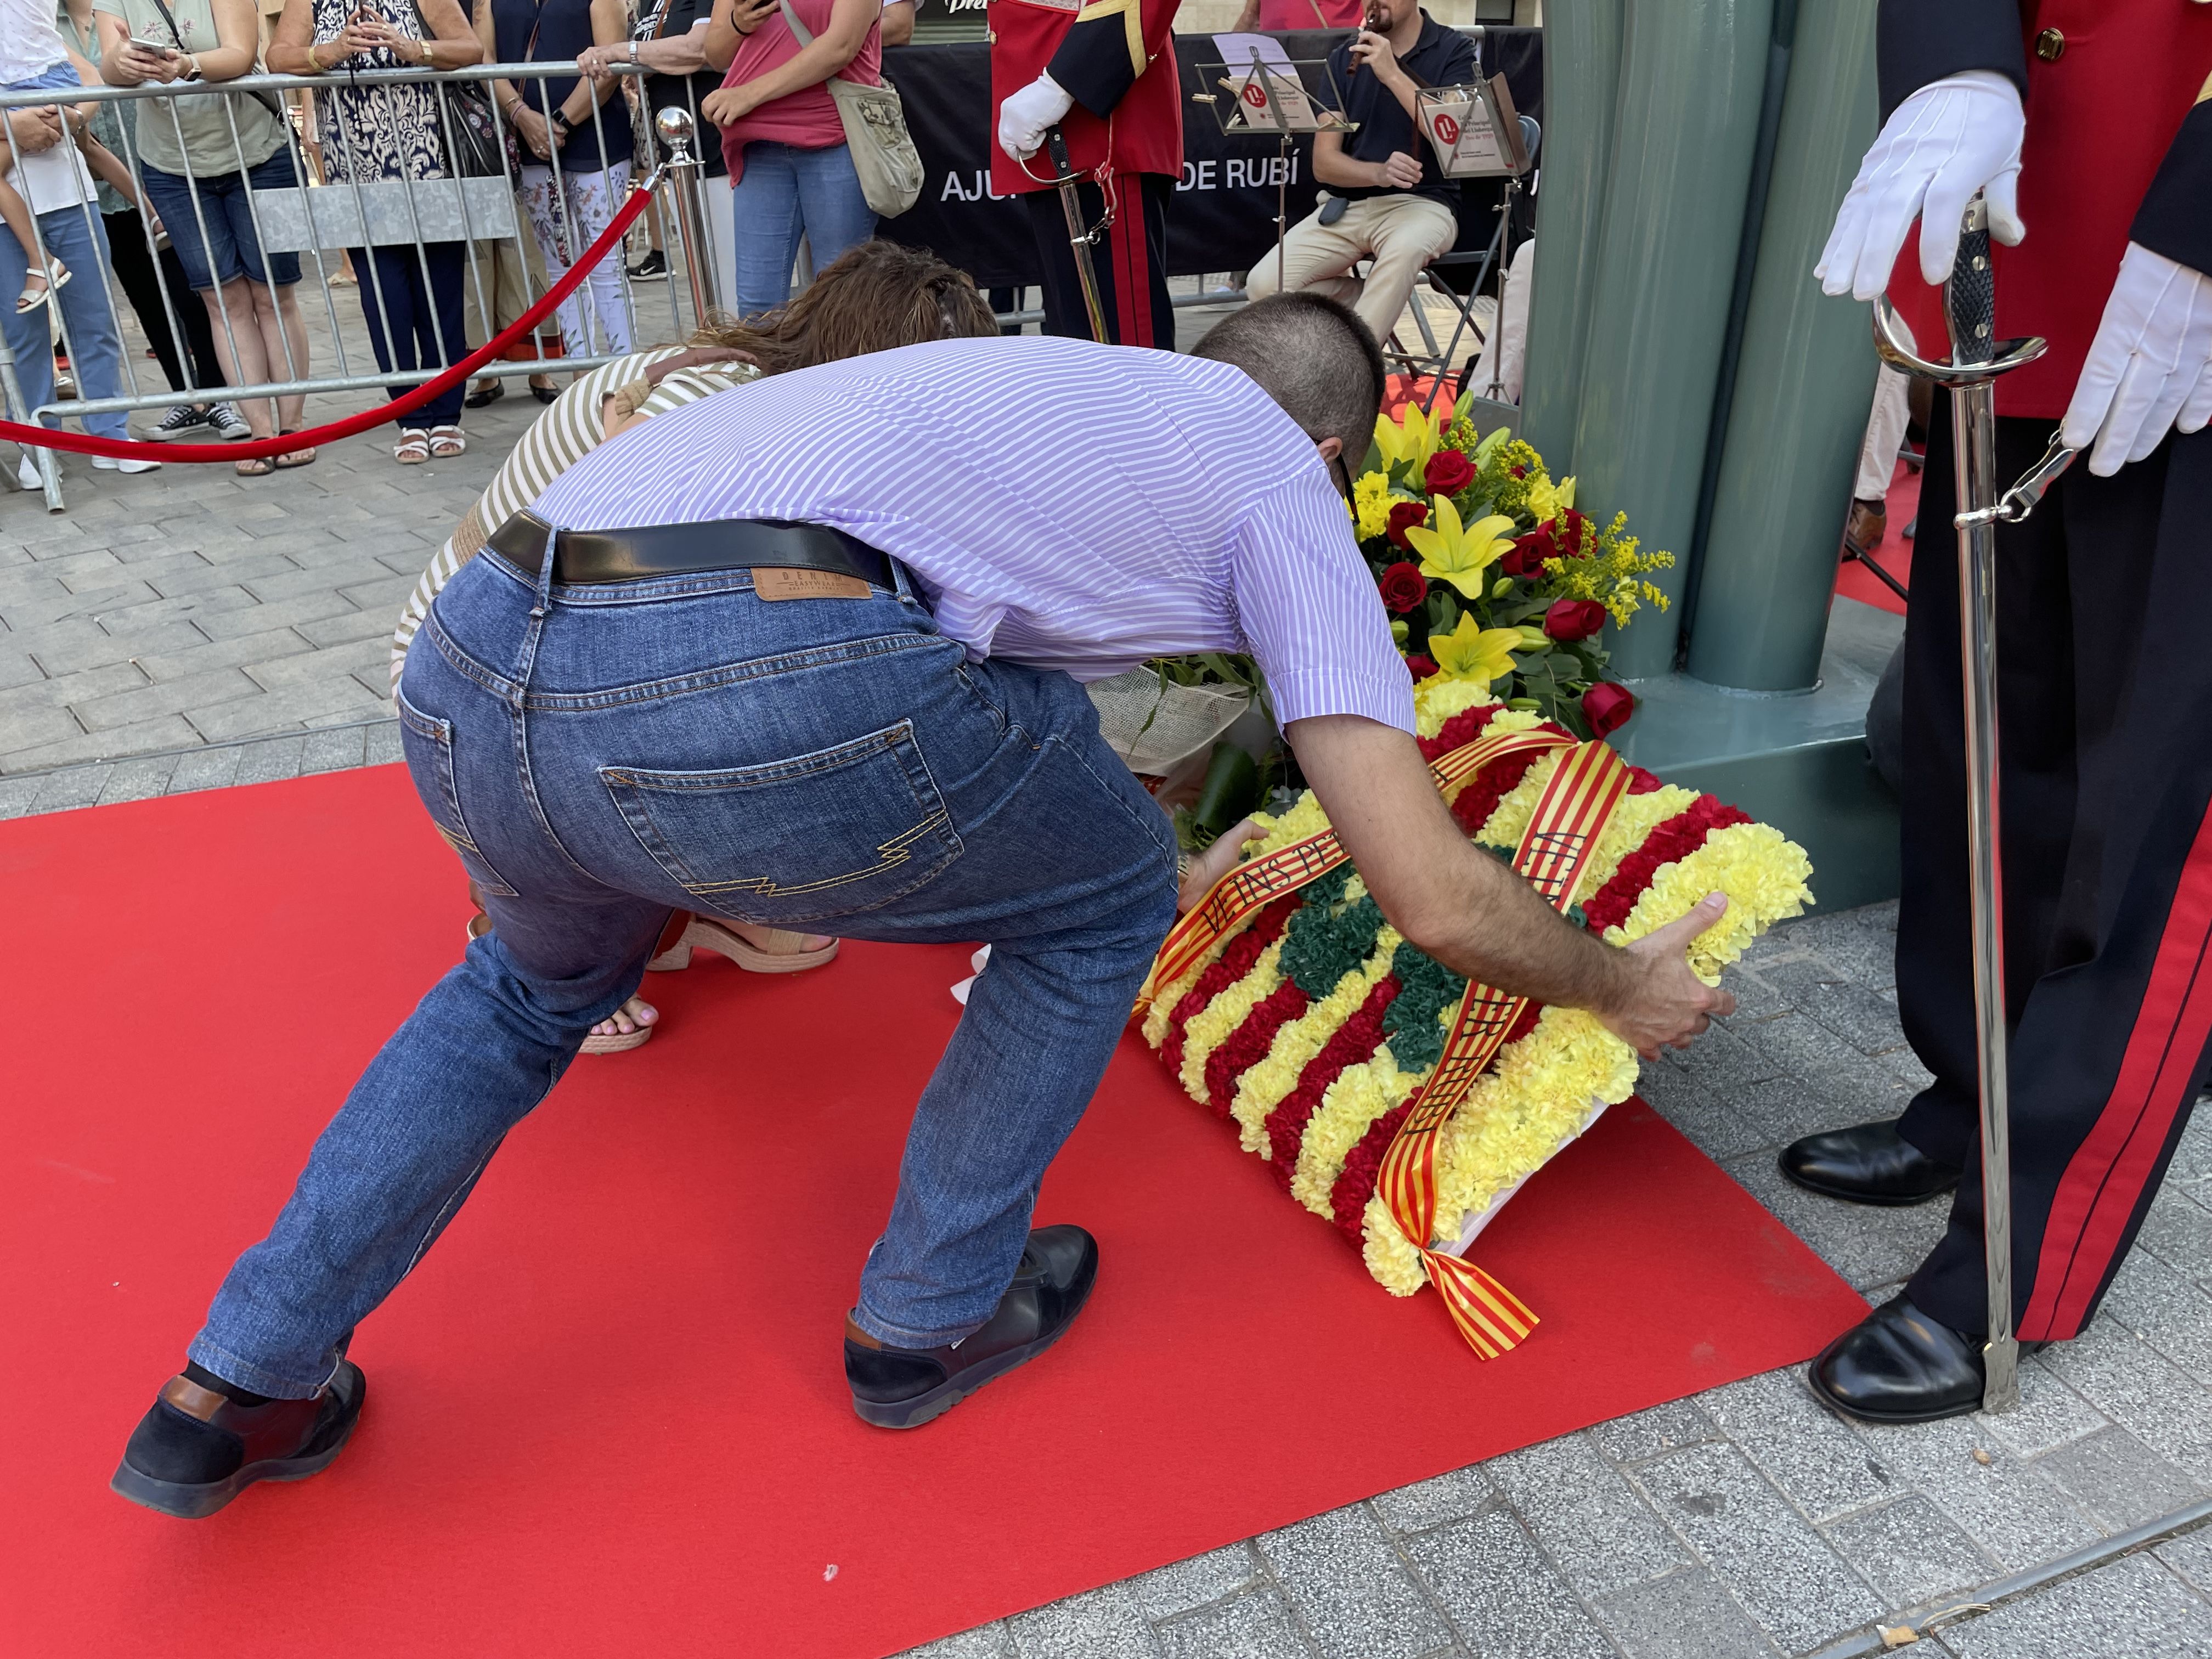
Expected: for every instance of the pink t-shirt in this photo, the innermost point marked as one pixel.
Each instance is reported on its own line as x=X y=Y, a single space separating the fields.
x=807 y=119
x=1282 y=16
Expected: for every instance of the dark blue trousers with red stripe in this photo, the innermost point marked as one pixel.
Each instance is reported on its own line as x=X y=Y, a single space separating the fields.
x=2104 y=713
x=1131 y=261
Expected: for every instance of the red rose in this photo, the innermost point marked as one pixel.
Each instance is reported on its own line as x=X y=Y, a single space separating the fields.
x=1448 y=472
x=1574 y=619
x=1518 y=472
x=1419 y=667
x=1607 y=707
x=1570 y=530
x=1404 y=515
x=1404 y=587
x=1525 y=558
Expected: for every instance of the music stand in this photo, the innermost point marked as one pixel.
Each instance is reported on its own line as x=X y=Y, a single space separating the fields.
x=1476 y=133
x=1269 y=95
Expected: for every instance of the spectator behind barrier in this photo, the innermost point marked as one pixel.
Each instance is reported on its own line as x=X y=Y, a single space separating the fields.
x=576 y=141
x=199 y=156
x=410 y=296
x=783 y=140
x=1386 y=199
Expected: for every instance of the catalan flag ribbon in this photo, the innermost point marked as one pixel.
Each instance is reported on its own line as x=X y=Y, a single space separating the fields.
x=1572 y=813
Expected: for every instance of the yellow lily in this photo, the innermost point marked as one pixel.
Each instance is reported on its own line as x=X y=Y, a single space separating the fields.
x=1547 y=499
x=1456 y=554
x=1470 y=652
x=1415 y=441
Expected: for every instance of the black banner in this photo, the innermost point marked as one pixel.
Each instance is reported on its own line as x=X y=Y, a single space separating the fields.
x=1223 y=214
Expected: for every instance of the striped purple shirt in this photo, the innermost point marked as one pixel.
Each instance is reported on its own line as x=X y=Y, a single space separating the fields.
x=1061 y=504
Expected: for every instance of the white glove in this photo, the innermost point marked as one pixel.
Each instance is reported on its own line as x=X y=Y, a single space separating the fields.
x=2150 y=366
x=1949 y=140
x=1024 y=116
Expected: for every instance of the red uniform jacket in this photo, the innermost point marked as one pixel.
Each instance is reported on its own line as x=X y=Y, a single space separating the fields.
x=2118 y=148
x=1116 y=59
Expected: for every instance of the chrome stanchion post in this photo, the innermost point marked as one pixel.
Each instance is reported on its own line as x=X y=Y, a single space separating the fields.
x=674 y=125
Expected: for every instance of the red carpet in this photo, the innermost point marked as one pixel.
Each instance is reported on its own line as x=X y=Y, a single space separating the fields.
x=606 y=1415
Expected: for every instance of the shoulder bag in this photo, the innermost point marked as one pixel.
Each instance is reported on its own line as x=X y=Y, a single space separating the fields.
x=875 y=131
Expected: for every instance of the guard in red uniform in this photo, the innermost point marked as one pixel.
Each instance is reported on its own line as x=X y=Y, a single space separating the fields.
x=1104 y=73
x=2087 y=124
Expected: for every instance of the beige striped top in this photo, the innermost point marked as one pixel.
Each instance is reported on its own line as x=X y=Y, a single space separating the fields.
x=569 y=430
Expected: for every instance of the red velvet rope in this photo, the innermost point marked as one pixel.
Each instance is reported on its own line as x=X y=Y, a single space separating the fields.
x=84 y=443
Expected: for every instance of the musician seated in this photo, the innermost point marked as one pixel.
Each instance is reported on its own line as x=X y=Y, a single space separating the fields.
x=1385 y=198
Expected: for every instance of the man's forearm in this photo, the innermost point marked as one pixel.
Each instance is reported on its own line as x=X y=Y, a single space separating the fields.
x=1503 y=934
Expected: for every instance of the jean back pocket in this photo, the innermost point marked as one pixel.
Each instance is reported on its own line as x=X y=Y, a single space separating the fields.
x=428 y=743
x=846 y=828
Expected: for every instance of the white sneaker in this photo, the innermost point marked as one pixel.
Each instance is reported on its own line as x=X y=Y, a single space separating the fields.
x=27 y=473
x=110 y=464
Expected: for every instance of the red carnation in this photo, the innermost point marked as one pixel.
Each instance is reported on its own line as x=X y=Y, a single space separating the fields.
x=1404 y=587
x=1525 y=558
x=1404 y=515
x=1448 y=472
x=1574 y=619
x=1420 y=667
x=1607 y=707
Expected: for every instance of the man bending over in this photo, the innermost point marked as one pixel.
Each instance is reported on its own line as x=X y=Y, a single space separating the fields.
x=808 y=657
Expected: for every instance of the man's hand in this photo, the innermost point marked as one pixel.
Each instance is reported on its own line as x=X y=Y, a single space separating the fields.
x=1665 y=1004
x=1399 y=171
x=1374 y=52
x=2149 y=369
x=1949 y=140
x=1216 y=861
x=1476 y=916
x=1025 y=116
x=36 y=129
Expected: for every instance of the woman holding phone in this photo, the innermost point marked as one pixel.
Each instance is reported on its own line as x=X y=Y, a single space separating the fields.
x=198 y=178
x=576 y=133
x=410 y=299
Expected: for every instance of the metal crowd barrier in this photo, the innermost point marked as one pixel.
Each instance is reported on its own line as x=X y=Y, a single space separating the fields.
x=319 y=218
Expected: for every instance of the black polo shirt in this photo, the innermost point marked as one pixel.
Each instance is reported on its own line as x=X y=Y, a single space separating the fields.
x=663 y=91
x=1441 y=57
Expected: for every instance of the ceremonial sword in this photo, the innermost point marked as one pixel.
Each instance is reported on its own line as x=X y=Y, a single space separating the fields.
x=1078 y=237
x=1977 y=357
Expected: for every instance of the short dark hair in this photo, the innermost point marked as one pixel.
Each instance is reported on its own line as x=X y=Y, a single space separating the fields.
x=1314 y=356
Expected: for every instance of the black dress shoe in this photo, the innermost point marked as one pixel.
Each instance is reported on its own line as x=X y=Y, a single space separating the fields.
x=1898 y=1366
x=904 y=1387
x=1869 y=1165
x=196 y=1448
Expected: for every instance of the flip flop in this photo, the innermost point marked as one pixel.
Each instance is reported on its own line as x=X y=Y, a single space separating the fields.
x=292 y=458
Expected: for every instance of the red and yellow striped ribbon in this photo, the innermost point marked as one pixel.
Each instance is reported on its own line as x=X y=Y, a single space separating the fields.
x=1572 y=814
x=1251 y=886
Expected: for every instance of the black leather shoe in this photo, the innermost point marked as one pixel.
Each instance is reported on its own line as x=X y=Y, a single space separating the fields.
x=1869 y=1165
x=1898 y=1366
x=904 y=1387
x=196 y=1448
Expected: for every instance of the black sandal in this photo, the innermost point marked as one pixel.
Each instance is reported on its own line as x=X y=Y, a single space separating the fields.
x=289 y=459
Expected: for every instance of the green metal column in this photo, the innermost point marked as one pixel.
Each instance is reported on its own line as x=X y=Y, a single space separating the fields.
x=1582 y=77
x=1802 y=389
x=1687 y=120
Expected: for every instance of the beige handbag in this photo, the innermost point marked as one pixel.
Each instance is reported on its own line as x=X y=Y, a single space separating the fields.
x=875 y=131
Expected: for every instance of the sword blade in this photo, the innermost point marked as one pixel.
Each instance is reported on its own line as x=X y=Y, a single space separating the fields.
x=1078 y=235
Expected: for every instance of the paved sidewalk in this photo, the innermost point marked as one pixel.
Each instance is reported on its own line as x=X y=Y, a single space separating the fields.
x=1745 y=1522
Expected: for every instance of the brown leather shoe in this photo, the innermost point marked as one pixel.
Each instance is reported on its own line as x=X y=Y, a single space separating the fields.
x=196 y=1448
x=1864 y=528
x=904 y=1387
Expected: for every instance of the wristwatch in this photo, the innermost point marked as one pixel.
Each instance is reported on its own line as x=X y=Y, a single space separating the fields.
x=191 y=66
x=559 y=121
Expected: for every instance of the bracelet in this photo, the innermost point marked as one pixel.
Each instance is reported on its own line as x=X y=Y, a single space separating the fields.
x=314 y=63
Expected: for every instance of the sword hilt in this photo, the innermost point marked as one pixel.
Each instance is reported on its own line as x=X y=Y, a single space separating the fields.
x=1056 y=147
x=1970 y=292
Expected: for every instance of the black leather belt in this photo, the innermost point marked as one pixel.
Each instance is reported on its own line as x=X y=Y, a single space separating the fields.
x=683 y=550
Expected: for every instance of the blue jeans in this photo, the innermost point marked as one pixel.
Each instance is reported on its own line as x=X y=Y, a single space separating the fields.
x=833 y=765
x=784 y=194
x=76 y=236
x=211 y=222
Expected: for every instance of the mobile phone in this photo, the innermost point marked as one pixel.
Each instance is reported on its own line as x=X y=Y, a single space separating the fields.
x=154 y=46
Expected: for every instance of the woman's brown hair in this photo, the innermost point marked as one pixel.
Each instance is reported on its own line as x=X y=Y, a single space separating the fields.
x=872 y=297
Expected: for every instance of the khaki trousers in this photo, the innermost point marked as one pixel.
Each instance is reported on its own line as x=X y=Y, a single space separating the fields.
x=511 y=279
x=1400 y=234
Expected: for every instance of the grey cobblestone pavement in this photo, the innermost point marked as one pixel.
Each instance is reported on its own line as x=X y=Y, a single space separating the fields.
x=186 y=629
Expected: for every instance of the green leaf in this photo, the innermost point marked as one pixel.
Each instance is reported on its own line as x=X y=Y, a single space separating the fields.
x=1231 y=788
